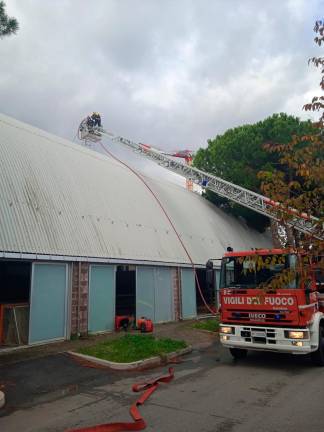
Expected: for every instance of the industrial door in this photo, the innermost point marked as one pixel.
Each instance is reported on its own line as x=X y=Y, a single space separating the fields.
x=145 y=281
x=48 y=302
x=154 y=297
x=163 y=295
x=101 y=298
x=188 y=293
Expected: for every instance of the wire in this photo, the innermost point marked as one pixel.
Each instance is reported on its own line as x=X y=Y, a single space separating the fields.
x=168 y=218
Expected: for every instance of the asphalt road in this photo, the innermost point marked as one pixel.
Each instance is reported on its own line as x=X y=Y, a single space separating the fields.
x=210 y=393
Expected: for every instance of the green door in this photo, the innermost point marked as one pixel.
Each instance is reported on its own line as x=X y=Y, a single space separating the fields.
x=163 y=298
x=101 y=298
x=48 y=302
x=188 y=293
x=154 y=295
x=145 y=282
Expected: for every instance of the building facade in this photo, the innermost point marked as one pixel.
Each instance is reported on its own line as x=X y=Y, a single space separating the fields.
x=83 y=240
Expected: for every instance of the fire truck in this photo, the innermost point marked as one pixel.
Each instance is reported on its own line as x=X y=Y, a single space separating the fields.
x=254 y=316
x=271 y=300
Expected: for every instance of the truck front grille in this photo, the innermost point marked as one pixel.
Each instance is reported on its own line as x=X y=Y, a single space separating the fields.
x=267 y=316
x=260 y=335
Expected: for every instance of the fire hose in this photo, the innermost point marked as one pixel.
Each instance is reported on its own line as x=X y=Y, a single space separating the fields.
x=169 y=220
x=148 y=387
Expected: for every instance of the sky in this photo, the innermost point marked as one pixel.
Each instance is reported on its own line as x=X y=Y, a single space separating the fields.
x=170 y=73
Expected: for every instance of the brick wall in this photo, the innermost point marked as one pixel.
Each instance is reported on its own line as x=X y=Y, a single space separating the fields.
x=80 y=290
x=176 y=293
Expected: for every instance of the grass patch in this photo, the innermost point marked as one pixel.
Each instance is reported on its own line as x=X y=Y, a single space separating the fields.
x=210 y=324
x=130 y=348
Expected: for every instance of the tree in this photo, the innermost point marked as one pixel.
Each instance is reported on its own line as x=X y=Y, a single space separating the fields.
x=8 y=25
x=239 y=154
x=304 y=157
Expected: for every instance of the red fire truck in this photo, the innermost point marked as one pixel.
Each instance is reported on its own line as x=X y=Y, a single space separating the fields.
x=267 y=303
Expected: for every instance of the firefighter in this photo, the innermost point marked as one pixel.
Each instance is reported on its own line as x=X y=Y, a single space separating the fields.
x=96 y=119
x=90 y=123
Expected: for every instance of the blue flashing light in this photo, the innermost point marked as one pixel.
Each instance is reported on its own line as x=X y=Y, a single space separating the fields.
x=277 y=316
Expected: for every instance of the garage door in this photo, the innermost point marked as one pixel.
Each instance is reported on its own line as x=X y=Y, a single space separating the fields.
x=145 y=281
x=101 y=298
x=188 y=293
x=48 y=302
x=163 y=295
x=154 y=297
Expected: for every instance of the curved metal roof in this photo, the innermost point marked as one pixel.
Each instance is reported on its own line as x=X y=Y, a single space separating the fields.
x=58 y=198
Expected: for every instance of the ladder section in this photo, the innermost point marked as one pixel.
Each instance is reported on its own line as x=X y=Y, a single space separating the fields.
x=259 y=203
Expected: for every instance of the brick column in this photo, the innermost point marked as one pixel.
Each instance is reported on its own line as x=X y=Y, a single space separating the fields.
x=80 y=298
x=84 y=299
x=176 y=293
x=74 y=302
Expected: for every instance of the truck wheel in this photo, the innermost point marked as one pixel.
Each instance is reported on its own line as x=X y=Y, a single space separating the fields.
x=238 y=353
x=318 y=356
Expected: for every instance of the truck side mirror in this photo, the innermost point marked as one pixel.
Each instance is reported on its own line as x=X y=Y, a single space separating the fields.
x=308 y=290
x=210 y=272
x=210 y=277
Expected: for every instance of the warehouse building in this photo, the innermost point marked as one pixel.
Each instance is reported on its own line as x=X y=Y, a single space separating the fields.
x=83 y=240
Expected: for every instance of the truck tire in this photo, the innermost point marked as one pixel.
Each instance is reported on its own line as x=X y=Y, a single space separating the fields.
x=238 y=353
x=318 y=356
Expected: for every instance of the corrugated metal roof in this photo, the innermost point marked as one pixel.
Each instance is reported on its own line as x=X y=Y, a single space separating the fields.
x=59 y=198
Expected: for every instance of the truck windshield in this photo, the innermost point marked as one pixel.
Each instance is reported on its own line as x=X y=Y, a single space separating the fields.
x=256 y=271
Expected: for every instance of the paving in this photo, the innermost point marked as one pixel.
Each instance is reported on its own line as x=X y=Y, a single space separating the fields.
x=210 y=393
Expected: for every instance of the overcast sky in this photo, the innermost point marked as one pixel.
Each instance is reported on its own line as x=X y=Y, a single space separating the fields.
x=171 y=73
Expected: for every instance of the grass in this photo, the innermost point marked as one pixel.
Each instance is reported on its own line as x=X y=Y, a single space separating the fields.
x=130 y=348
x=210 y=324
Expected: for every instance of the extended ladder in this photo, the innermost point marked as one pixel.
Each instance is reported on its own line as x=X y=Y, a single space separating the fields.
x=259 y=203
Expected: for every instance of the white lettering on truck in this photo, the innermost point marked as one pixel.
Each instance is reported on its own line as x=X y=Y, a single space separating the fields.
x=271 y=301
x=234 y=300
x=257 y=316
x=279 y=301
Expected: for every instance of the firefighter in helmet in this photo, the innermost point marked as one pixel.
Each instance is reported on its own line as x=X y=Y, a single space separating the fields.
x=96 y=119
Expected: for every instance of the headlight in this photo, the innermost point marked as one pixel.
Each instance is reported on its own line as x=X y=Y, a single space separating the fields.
x=227 y=330
x=297 y=334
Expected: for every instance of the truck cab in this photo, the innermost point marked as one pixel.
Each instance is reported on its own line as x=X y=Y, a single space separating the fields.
x=270 y=301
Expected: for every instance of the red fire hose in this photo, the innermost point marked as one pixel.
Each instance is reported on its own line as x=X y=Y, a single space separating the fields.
x=212 y=311
x=139 y=423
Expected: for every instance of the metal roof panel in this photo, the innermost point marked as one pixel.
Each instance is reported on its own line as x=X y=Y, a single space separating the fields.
x=59 y=198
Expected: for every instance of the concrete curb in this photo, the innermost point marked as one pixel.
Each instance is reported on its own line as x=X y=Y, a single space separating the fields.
x=2 y=399
x=140 y=364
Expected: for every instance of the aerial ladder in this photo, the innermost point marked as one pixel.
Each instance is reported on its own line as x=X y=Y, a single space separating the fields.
x=302 y=222
x=188 y=156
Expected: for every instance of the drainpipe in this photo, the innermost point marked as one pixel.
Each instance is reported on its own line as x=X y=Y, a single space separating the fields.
x=79 y=298
x=179 y=288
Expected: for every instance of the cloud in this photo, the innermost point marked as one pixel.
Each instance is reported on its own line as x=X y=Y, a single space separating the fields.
x=172 y=74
